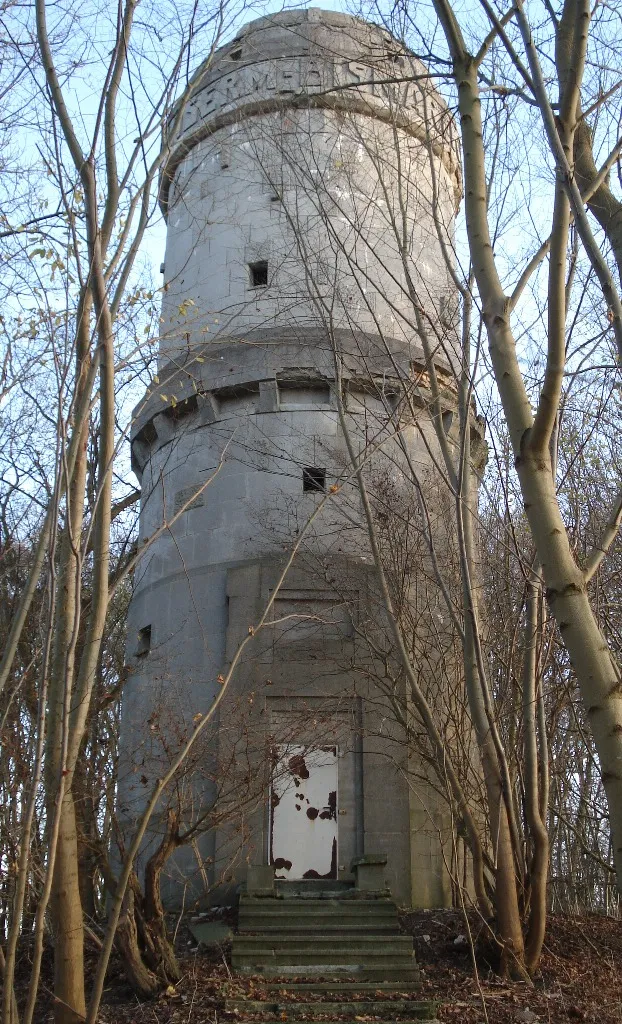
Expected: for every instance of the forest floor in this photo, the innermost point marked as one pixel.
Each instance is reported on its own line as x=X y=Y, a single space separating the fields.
x=580 y=979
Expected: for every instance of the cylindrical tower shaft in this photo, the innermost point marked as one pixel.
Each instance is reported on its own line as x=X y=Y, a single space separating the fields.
x=310 y=191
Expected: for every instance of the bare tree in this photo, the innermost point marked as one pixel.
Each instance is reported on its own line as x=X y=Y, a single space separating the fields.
x=100 y=187
x=531 y=434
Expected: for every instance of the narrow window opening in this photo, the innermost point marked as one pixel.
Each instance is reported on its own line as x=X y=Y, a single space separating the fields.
x=314 y=479
x=144 y=642
x=258 y=273
x=184 y=408
x=391 y=399
x=236 y=54
x=148 y=435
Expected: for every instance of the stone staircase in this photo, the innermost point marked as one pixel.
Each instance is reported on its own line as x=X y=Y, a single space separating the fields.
x=319 y=952
x=332 y=1003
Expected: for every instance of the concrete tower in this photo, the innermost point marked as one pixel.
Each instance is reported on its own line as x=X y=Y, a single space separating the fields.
x=306 y=185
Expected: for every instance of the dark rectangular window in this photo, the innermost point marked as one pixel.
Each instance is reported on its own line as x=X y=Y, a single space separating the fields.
x=143 y=645
x=182 y=409
x=314 y=479
x=447 y=420
x=236 y=54
x=258 y=274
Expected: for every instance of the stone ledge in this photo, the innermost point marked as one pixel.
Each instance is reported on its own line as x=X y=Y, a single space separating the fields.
x=369 y=872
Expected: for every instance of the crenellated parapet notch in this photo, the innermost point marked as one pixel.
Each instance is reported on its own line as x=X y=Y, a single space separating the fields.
x=318 y=59
x=201 y=403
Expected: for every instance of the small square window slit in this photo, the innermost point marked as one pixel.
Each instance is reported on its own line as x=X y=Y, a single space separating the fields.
x=143 y=645
x=314 y=479
x=258 y=274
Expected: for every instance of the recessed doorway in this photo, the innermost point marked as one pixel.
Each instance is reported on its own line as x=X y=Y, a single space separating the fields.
x=303 y=812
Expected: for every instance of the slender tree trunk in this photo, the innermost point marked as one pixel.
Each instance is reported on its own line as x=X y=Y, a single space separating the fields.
x=503 y=831
x=145 y=983
x=509 y=923
x=86 y=831
x=11 y=1015
x=142 y=938
x=26 y=832
x=566 y=591
x=539 y=867
x=603 y=204
x=155 y=919
x=65 y=903
x=66 y=911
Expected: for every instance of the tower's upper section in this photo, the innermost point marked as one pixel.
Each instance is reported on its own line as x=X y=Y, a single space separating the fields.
x=315 y=58
x=310 y=189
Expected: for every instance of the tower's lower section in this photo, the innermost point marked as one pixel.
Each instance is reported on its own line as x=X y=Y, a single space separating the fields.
x=313 y=756
x=306 y=766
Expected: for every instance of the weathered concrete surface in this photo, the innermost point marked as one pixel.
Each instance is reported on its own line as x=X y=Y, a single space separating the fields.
x=293 y=129
x=287 y=156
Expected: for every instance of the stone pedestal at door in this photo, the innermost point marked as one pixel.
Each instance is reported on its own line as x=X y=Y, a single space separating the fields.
x=260 y=880
x=369 y=872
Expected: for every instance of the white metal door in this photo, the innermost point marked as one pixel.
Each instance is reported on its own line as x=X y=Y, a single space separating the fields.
x=303 y=812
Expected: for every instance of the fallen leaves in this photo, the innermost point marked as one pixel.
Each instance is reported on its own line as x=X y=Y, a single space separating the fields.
x=579 y=982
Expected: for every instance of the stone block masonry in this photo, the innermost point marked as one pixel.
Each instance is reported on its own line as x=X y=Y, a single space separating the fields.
x=283 y=282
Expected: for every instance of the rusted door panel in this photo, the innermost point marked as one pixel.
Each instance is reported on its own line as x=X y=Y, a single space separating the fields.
x=303 y=812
